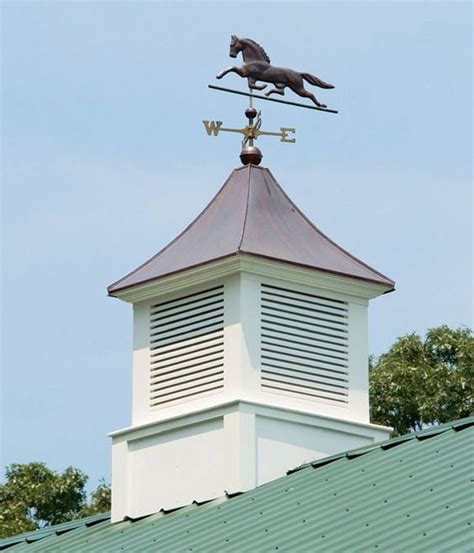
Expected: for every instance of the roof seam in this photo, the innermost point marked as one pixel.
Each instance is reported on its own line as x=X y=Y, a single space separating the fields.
x=246 y=209
x=337 y=246
x=114 y=284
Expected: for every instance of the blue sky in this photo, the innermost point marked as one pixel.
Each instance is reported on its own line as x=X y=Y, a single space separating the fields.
x=105 y=159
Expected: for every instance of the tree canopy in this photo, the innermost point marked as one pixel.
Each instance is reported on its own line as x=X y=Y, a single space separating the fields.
x=419 y=383
x=34 y=496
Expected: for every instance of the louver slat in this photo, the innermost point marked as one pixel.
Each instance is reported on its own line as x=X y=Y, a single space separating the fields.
x=301 y=390
x=304 y=299
x=187 y=347
x=186 y=374
x=276 y=324
x=304 y=353
x=185 y=359
x=310 y=312
x=191 y=344
x=304 y=344
x=339 y=325
x=292 y=361
x=307 y=343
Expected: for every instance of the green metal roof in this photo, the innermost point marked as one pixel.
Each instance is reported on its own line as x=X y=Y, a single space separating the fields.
x=58 y=529
x=412 y=494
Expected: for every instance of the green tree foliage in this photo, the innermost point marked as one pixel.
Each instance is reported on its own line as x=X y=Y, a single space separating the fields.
x=100 y=500
x=421 y=383
x=34 y=496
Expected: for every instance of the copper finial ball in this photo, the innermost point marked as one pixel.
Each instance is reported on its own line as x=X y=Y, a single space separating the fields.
x=251 y=155
x=251 y=113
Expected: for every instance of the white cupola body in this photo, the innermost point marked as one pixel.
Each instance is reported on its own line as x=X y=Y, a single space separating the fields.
x=250 y=352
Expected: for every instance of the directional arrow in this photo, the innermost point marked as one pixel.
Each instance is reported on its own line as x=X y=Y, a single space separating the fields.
x=213 y=128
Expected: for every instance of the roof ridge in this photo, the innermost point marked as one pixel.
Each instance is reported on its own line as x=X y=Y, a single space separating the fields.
x=246 y=209
x=114 y=284
x=325 y=237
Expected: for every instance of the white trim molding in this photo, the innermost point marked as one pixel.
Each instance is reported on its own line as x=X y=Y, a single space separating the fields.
x=252 y=264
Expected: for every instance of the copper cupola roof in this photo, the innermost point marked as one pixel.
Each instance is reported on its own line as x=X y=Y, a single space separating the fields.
x=251 y=214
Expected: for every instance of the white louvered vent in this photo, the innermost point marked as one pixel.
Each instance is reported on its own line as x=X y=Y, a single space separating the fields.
x=187 y=347
x=304 y=344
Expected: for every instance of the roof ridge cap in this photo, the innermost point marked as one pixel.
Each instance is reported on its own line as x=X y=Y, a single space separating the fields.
x=246 y=208
x=111 y=287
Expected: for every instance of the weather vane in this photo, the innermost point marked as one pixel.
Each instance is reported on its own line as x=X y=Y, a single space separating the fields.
x=257 y=67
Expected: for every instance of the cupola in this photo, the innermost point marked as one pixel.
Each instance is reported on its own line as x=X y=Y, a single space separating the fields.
x=250 y=352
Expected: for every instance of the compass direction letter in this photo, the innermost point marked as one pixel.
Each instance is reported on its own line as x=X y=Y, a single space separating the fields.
x=284 y=135
x=213 y=127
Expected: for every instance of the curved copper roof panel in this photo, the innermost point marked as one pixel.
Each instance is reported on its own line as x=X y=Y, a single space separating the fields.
x=251 y=214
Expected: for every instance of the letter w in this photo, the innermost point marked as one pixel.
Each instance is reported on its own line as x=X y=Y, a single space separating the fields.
x=213 y=127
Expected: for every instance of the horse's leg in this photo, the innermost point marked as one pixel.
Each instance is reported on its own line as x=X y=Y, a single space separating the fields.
x=279 y=89
x=233 y=69
x=254 y=86
x=301 y=91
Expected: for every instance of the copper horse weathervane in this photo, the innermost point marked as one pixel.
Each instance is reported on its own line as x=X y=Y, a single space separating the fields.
x=257 y=68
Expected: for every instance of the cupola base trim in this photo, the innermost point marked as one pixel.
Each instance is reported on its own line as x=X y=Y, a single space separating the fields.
x=228 y=449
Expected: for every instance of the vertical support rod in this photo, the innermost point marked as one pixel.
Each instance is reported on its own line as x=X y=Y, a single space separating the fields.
x=251 y=106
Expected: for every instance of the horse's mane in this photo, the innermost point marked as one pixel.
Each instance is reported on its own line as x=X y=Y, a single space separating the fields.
x=264 y=54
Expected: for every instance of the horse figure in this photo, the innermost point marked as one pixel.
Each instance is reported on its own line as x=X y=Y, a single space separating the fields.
x=257 y=67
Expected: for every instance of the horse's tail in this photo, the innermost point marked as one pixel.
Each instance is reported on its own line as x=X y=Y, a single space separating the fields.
x=314 y=80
